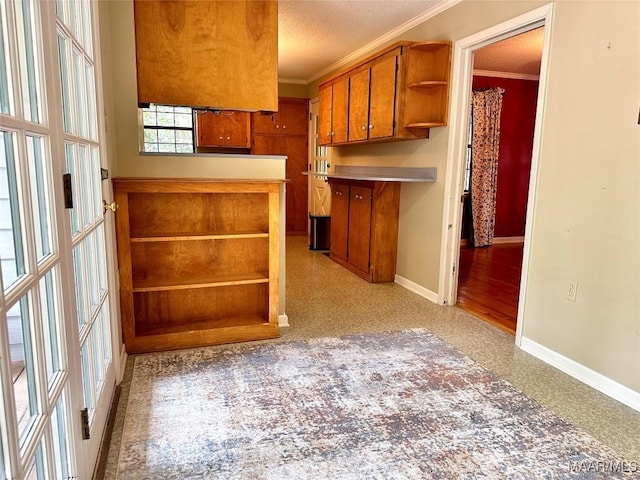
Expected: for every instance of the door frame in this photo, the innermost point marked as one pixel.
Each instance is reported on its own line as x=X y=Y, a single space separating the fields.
x=454 y=178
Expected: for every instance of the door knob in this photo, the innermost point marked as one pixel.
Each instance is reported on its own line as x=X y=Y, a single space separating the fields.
x=113 y=206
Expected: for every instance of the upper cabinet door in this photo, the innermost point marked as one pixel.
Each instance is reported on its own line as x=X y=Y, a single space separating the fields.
x=209 y=129
x=209 y=54
x=340 y=110
x=383 y=98
x=293 y=117
x=236 y=129
x=359 y=105
x=325 y=100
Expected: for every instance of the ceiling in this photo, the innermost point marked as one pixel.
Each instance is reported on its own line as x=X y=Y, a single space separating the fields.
x=520 y=54
x=316 y=37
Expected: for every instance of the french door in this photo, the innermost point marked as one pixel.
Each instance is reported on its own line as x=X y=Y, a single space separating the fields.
x=55 y=319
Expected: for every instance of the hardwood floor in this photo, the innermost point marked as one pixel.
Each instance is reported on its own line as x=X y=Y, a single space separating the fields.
x=489 y=283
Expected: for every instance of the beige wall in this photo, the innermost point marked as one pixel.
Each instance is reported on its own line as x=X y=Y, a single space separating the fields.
x=293 y=90
x=587 y=215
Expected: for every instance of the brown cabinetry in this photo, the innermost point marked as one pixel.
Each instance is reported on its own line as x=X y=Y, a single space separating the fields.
x=198 y=262
x=364 y=227
x=397 y=94
x=207 y=54
x=285 y=133
x=333 y=115
x=223 y=128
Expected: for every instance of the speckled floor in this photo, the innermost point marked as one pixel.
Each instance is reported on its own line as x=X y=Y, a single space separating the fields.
x=324 y=300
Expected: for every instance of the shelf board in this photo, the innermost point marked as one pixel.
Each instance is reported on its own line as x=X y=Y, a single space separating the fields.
x=201 y=281
x=185 y=236
x=429 y=84
x=198 y=326
x=425 y=125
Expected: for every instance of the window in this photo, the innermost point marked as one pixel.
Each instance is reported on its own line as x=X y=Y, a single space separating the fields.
x=168 y=129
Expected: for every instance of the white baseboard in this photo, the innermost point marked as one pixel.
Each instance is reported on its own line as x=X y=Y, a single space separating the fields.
x=415 y=288
x=283 y=320
x=609 y=387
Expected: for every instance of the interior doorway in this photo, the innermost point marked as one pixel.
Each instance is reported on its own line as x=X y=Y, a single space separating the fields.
x=458 y=140
x=490 y=265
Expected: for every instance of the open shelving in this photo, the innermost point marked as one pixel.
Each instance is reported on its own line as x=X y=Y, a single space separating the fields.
x=198 y=261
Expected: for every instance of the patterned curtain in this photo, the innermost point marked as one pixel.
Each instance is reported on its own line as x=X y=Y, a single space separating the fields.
x=485 y=143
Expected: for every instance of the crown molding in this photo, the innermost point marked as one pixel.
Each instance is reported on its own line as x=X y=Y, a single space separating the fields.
x=293 y=81
x=516 y=76
x=387 y=37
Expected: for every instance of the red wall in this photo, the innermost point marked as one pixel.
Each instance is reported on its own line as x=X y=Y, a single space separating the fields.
x=516 y=142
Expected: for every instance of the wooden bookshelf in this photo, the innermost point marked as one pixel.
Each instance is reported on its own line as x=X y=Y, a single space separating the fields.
x=198 y=261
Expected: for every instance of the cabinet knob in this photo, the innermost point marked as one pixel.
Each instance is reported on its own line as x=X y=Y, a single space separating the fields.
x=277 y=126
x=220 y=138
x=364 y=127
x=284 y=126
x=370 y=127
x=228 y=138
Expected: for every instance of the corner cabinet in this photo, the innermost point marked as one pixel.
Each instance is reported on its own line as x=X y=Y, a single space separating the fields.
x=396 y=94
x=364 y=227
x=198 y=261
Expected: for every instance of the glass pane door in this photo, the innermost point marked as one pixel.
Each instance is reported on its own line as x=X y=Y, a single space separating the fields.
x=55 y=323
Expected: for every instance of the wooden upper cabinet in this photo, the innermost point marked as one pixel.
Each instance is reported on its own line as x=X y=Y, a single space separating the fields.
x=325 y=101
x=383 y=98
x=208 y=54
x=396 y=94
x=225 y=128
x=334 y=112
x=359 y=105
x=290 y=119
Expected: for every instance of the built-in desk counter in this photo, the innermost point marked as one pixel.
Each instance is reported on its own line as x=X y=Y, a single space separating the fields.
x=380 y=174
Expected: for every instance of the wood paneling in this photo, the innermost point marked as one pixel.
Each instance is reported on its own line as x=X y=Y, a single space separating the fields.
x=213 y=54
x=489 y=283
x=325 y=101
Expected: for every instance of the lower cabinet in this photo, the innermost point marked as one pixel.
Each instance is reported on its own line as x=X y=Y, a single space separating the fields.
x=198 y=262
x=364 y=227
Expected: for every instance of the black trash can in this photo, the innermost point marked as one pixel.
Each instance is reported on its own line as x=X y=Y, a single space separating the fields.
x=319 y=232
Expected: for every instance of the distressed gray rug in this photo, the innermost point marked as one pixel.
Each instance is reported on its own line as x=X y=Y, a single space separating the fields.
x=396 y=405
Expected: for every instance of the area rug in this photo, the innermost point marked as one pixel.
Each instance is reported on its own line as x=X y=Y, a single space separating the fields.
x=395 y=405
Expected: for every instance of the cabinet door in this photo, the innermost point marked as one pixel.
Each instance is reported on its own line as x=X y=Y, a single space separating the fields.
x=209 y=128
x=325 y=99
x=382 y=101
x=359 y=227
x=339 y=219
x=359 y=105
x=264 y=123
x=340 y=108
x=295 y=149
x=297 y=198
x=292 y=118
x=236 y=129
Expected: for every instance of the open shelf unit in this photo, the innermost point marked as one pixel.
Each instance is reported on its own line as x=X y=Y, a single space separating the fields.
x=198 y=261
x=427 y=80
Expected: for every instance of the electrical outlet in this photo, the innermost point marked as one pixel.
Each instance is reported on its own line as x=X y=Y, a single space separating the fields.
x=572 y=290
